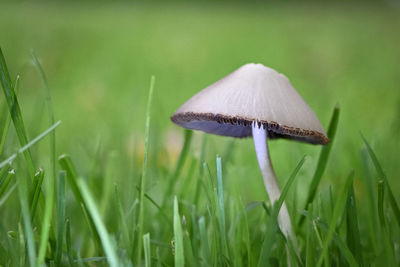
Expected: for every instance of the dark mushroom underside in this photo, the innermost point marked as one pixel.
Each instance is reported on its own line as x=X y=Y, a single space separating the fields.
x=241 y=127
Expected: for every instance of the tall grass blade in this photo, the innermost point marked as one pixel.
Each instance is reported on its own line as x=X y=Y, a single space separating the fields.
x=72 y=178
x=144 y=174
x=15 y=111
x=159 y=208
x=4 y=183
x=221 y=207
x=337 y=212
x=318 y=223
x=205 y=248
x=323 y=159
x=310 y=240
x=124 y=227
x=48 y=213
x=147 y=251
x=60 y=216
x=178 y=237
x=7 y=195
x=37 y=189
x=106 y=241
x=382 y=175
x=381 y=196
x=22 y=246
x=68 y=242
x=28 y=145
x=26 y=218
x=8 y=121
x=353 y=232
x=187 y=245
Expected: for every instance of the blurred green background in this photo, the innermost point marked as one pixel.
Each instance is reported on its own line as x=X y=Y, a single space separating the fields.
x=99 y=58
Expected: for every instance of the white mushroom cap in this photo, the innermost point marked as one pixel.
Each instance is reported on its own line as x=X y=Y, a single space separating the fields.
x=252 y=93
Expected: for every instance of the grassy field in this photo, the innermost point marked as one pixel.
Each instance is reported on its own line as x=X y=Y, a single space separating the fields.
x=99 y=59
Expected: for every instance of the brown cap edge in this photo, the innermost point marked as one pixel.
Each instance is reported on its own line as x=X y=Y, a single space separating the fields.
x=279 y=129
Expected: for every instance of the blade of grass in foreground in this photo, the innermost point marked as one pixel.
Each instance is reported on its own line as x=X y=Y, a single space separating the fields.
x=204 y=241
x=144 y=174
x=68 y=241
x=382 y=175
x=178 y=237
x=72 y=177
x=48 y=213
x=272 y=227
x=310 y=241
x=60 y=216
x=319 y=223
x=4 y=183
x=353 y=232
x=26 y=218
x=337 y=213
x=3 y=187
x=89 y=202
x=15 y=111
x=8 y=120
x=124 y=227
x=28 y=145
x=323 y=159
x=147 y=251
x=221 y=208
x=37 y=189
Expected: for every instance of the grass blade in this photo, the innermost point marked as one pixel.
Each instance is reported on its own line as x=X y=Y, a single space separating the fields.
x=159 y=208
x=353 y=232
x=28 y=145
x=144 y=173
x=122 y=218
x=318 y=223
x=60 y=216
x=147 y=251
x=178 y=237
x=68 y=241
x=37 y=189
x=310 y=242
x=323 y=159
x=8 y=120
x=15 y=111
x=382 y=175
x=205 y=248
x=90 y=205
x=7 y=195
x=337 y=212
x=381 y=196
x=4 y=183
x=72 y=178
x=221 y=207
x=187 y=245
x=26 y=218
x=48 y=213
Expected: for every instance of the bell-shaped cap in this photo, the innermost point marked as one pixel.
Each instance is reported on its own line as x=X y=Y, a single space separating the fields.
x=252 y=93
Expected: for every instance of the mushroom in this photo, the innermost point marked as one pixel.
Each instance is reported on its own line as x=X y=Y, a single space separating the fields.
x=256 y=101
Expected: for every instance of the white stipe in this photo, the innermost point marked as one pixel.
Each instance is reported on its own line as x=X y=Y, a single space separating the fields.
x=270 y=182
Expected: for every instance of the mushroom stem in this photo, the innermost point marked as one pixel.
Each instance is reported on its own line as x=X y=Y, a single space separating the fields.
x=270 y=182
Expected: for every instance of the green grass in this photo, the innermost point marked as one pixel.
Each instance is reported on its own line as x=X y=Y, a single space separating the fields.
x=109 y=186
